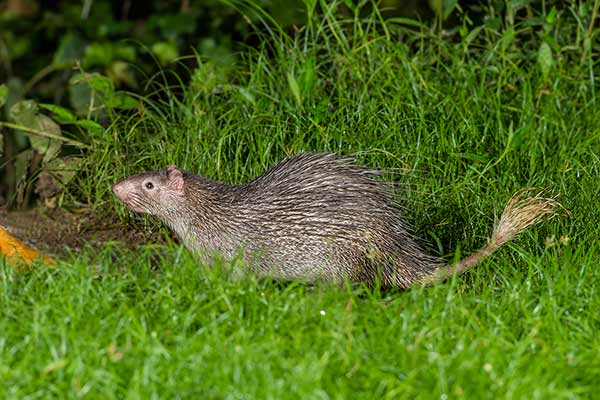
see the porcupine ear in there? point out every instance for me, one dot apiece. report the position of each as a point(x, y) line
point(175, 178)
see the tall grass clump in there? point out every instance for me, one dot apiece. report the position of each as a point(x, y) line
point(463, 120)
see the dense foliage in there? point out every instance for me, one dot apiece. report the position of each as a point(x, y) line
point(70, 69)
point(76, 60)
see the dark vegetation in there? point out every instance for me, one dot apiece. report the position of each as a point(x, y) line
point(72, 70)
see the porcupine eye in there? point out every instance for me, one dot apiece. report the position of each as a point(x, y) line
point(148, 185)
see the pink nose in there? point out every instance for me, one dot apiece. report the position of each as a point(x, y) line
point(118, 189)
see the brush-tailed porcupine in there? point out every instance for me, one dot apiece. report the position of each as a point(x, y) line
point(313, 217)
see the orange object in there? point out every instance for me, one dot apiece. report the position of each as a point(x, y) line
point(16, 250)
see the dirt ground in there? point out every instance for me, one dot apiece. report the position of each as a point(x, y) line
point(57, 231)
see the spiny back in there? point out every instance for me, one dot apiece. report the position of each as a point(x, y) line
point(318, 217)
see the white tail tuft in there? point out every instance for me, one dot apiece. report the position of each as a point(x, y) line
point(522, 211)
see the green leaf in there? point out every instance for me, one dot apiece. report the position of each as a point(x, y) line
point(119, 71)
point(493, 24)
point(208, 78)
point(449, 6)
point(321, 110)
point(1, 145)
point(22, 161)
point(295, 88)
point(69, 50)
point(219, 52)
point(408, 22)
point(97, 54)
point(166, 52)
point(55, 366)
point(94, 80)
point(122, 101)
point(472, 35)
point(551, 17)
point(507, 39)
point(3, 94)
point(50, 148)
point(584, 10)
point(103, 54)
point(443, 8)
point(438, 7)
point(518, 4)
point(545, 59)
point(26, 114)
point(89, 92)
point(80, 97)
point(100, 83)
point(16, 91)
point(23, 111)
point(17, 45)
point(62, 170)
point(61, 114)
point(350, 4)
point(92, 127)
point(307, 76)
point(245, 92)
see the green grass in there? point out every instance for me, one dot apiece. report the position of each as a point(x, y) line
point(460, 124)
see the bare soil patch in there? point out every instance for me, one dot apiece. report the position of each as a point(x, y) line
point(57, 231)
